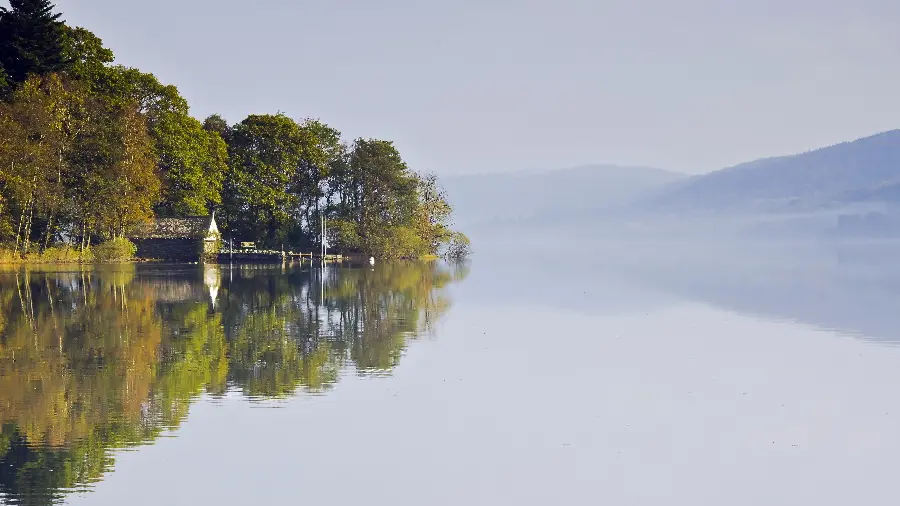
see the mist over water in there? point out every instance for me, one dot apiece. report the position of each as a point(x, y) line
point(692, 370)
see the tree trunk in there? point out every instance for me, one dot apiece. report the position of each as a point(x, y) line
point(55, 207)
point(29, 211)
point(83, 236)
point(48, 232)
point(21, 224)
point(27, 231)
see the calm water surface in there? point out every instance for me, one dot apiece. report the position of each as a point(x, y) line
point(506, 381)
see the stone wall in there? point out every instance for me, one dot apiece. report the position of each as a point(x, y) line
point(179, 250)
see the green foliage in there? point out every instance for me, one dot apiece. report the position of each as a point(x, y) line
point(31, 39)
point(33, 135)
point(89, 149)
point(432, 214)
point(64, 254)
point(194, 162)
point(191, 160)
point(397, 242)
point(56, 255)
point(345, 234)
point(124, 85)
point(277, 171)
point(87, 56)
point(387, 188)
point(74, 162)
point(459, 247)
point(5, 83)
point(114, 250)
point(8, 256)
point(384, 209)
point(216, 123)
point(265, 152)
point(61, 254)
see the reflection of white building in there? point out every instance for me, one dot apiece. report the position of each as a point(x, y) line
point(212, 276)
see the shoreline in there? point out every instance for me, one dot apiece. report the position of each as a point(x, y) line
point(32, 262)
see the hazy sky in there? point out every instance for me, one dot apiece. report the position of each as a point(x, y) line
point(489, 85)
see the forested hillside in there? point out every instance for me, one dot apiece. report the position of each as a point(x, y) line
point(863, 170)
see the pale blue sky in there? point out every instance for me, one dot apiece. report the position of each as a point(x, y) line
point(489, 85)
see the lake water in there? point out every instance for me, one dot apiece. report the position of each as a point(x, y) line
point(639, 378)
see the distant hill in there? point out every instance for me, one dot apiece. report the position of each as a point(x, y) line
point(888, 192)
point(497, 197)
point(864, 170)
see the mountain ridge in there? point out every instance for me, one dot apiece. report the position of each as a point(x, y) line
point(812, 178)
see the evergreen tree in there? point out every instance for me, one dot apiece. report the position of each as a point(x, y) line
point(31, 39)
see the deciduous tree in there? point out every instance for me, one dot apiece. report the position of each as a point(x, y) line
point(264, 155)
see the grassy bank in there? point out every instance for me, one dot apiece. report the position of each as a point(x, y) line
point(116, 250)
point(56, 255)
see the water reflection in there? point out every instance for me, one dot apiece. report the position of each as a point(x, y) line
point(849, 287)
point(93, 360)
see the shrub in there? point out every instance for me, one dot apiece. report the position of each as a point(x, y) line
point(114, 250)
point(7, 256)
point(397, 242)
point(60, 255)
point(344, 235)
point(63, 254)
point(459, 247)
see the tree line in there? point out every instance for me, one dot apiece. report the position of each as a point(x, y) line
point(90, 148)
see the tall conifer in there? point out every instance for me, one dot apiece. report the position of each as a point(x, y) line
point(31, 39)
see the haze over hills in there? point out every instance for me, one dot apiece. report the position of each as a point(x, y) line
point(864, 170)
point(807, 194)
point(491, 198)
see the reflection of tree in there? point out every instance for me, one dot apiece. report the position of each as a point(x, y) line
point(72, 354)
point(284, 334)
point(84, 366)
point(97, 359)
point(374, 312)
